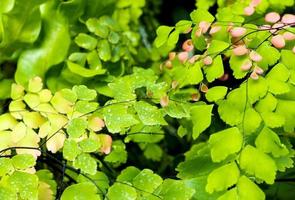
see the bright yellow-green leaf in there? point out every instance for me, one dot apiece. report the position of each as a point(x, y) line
point(225, 143)
point(257, 163)
point(223, 177)
point(201, 118)
point(216, 93)
point(269, 142)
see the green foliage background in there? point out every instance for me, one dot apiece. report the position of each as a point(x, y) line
point(91, 108)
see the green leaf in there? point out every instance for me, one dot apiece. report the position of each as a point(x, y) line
point(190, 75)
point(201, 118)
point(5, 86)
point(86, 163)
point(225, 143)
point(276, 79)
point(257, 89)
point(60, 104)
point(69, 95)
point(128, 174)
point(215, 70)
point(85, 107)
point(123, 89)
point(223, 177)
point(198, 163)
point(269, 142)
point(273, 120)
point(121, 191)
point(83, 93)
point(235, 63)
point(82, 71)
point(230, 194)
point(285, 162)
point(196, 167)
point(100, 179)
point(216, 93)
point(76, 127)
point(52, 50)
point(118, 154)
point(35, 85)
point(148, 114)
point(199, 42)
point(7, 122)
point(32, 100)
point(279, 72)
point(117, 118)
point(33, 119)
point(145, 134)
point(201, 15)
point(183, 26)
point(175, 189)
point(245, 189)
point(173, 38)
point(205, 4)
point(287, 58)
point(249, 190)
point(153, 152)
point(270, 55)
point(81, 191)
point(85, 41)
point(89, 145)
point(277, 87)
point(177, 110)
point(199, 184)
point(286, 109)
point(6, 6)
point(216, 47)
point(46, 176)
point(268, 103)
point(251, 122)
point(98, 28)
point(259, 164)
point(104, 50)
point(5, 166)
point(25, 184)
point(23, 161)
point(162, 35)
point(70, 150)
point(114, 37)
point(94, 63)
point(7, 193)
point(20, 22)
point(17, 91)
point(146, 180)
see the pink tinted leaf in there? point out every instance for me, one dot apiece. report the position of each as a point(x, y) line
point(164, 101)
point(288, 19)
point(172, 55)
point(289, 36)
point(237, 31)
point(249, 10)
point(214, 29)
point(272, 17)
point(183, 56)
point(256, 57)
point(255, 3)
point(254, 75)
point(188, 45)
point(204, 26)
point(240, 50)
point(278, 41)
point(207, 60)
point(258, 70)
point(246, 66)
